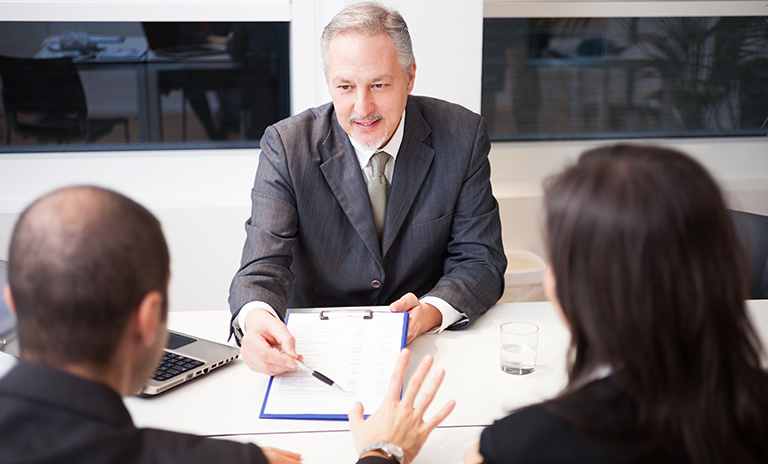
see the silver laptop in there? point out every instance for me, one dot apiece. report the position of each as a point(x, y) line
point(185, 357)
point(9, 342)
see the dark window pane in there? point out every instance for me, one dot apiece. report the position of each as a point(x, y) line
point(153, 85)
point(591, 78)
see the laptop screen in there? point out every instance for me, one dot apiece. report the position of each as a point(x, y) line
point(7, 319)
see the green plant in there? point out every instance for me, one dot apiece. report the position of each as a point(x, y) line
point(703, 63)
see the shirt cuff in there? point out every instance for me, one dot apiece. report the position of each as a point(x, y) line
point(450, 314)
point(243, 314)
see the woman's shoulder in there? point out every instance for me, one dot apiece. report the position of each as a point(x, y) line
point(559, 431)
point(531, 434)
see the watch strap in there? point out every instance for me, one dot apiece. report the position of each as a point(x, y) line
point(391, 450)
point(236, 331)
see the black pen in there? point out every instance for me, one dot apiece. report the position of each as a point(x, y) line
point(316, 374)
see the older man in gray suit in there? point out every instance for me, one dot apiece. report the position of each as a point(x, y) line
point(326, 228)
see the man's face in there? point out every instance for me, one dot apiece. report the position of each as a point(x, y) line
point(368, 87)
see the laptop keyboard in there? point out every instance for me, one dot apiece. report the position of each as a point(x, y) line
point(173, 364)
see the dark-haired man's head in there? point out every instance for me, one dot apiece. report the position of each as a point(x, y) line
point(82, 261)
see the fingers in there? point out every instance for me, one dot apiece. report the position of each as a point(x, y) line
point(279, 456)
point(259, 356)
point(413, 328)
point(276, 333)
point(263, 332)
point(396, 381)
point(282, 452)
point(405, 303)
point(473, 456)
point(285, 341)
point(414, 385)
point(355, 416)
point(414, 323)
point(430, 392)
point(397, 420)
point(418, 320)
point(441, 415)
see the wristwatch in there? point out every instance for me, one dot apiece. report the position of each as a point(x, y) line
point(236, 331)
point(392, 450)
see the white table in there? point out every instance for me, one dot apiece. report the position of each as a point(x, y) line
point(232, 397)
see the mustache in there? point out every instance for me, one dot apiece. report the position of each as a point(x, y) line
point(370, 117)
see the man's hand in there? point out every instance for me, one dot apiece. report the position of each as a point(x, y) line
point(263, 332)
point(421, 316)
point(278, 456)
point(398, 421)
point(473, 456)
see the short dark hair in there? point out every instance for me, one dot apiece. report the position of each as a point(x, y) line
point(81, 260)
point(652, 280)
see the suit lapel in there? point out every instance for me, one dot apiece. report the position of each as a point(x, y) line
point(343, 175)
point(413, 162)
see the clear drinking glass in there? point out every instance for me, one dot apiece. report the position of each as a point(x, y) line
point(518, 347)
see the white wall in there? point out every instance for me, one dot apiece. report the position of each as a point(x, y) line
point(202, 197)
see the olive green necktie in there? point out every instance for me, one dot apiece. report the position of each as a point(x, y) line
point(378, 190)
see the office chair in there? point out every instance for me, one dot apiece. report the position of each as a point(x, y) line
point(753, 230)
point(45, 98)
point(259, 95)
point(255, 104)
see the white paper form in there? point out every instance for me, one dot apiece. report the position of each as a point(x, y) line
point(358, 354)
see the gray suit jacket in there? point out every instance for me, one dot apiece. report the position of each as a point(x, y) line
point(311, 241)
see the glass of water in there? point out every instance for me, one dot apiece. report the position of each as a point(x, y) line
point(519, 343)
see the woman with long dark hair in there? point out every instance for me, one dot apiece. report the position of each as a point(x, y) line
point(664, 365)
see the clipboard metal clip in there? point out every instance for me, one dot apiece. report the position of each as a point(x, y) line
point(364, 313)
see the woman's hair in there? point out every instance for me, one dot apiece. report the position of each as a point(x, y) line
point(651, 278)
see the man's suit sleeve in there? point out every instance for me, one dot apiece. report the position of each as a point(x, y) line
point(473, 277)
point(271, 230)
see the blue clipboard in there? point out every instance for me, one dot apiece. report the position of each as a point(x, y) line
point(361, 318)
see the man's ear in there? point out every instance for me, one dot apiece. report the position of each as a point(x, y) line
point(412, 77)
point(148, 316)
point(9, 298)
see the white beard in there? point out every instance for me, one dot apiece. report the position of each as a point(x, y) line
point(376, 143)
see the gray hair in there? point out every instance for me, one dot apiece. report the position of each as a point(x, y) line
point(370, 18)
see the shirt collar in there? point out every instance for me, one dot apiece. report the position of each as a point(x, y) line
point(599, 372)
point(392, 147)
